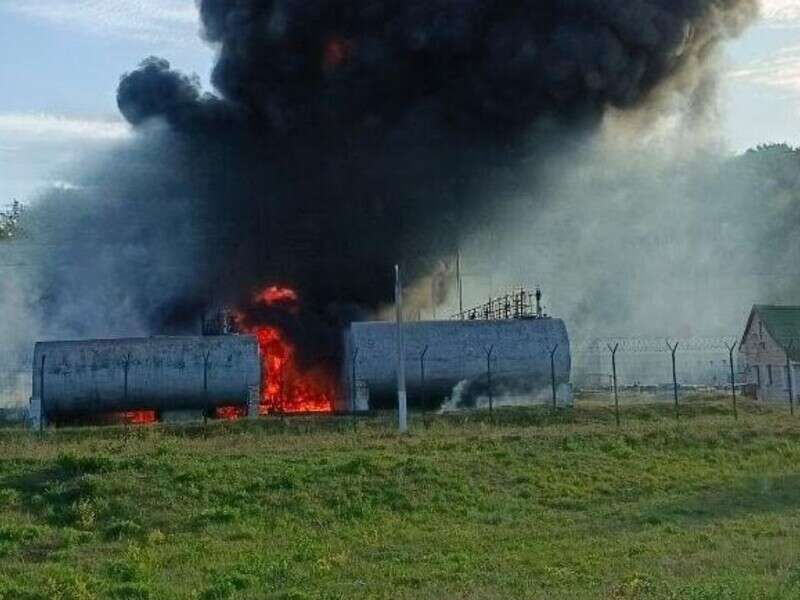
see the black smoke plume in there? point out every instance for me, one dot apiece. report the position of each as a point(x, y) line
point(347, 136)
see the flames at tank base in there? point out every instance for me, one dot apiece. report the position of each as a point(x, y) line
point(286, 388)
point(136, 380)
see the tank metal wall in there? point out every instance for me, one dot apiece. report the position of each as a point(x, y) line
point(457, 352)
point(160, 373)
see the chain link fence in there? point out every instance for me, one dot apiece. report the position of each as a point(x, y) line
point(646, 363)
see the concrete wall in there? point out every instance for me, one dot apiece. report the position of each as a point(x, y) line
point(160, 373)
point(760, 354)
point(457, 357)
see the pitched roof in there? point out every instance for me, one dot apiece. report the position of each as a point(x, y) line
point(783, 326)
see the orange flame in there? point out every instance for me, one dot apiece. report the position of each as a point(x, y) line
point(138, 417)
point(230, 413)
point(284, 387)
point(276, 295)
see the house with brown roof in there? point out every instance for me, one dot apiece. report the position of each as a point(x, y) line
point(769, 352)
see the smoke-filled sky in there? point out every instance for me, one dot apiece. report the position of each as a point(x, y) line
point(326, 140)
point(62, 60)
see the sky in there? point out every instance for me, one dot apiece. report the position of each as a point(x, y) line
point(62, 60)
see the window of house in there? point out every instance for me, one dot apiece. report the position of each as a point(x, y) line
point(758, 375)
point(769, 374)
point(760, 329)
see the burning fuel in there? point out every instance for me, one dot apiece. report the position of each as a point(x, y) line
point(341, 138)
point(138, 417)
point(285, 387)
point(274, 295)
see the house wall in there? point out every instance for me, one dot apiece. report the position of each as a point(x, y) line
point(758, 353)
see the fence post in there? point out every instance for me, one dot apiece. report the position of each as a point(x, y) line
point(673, 350)
point(354, 389)
point(789, 377)
point(402, 399)
point(206, 357)
point(731, 348)
point(422, 391)
point(553, 373)
point(126, 366)
point(42, 405)
point(614, 378)
point(489, 377)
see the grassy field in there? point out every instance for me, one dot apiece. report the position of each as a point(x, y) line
point(531, 505)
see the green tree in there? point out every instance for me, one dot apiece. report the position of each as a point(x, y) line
point(10, 222)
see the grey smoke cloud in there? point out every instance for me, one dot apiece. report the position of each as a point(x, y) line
point(665, 242)
point(343, 137)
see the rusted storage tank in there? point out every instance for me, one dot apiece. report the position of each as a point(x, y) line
point(74, 378)
point(457, 361)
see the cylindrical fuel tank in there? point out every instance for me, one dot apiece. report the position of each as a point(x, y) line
point(72, 378)
point(512, 355)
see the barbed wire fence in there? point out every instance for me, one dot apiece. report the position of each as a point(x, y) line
point(612, 370)
point(766, 368)
point(647, 369)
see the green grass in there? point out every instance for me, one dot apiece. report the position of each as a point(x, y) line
point(524, 505)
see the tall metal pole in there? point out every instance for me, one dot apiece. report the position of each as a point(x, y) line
point(733, 379)
point(353, 397)
point(673, 350)
point(614, 378)
point(433, 298)
point(553, 373)
point(401, 357)
point(460, 286)
point(789, 377)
